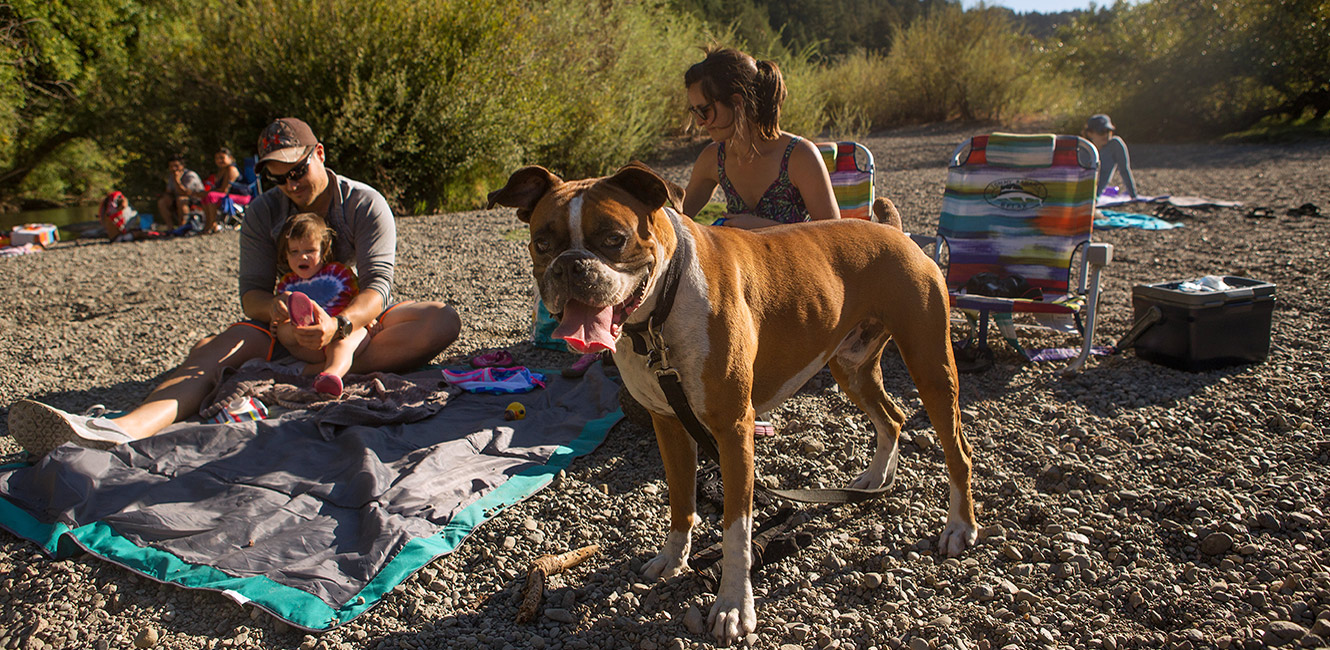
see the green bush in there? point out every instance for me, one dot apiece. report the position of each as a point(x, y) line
point(434, 102)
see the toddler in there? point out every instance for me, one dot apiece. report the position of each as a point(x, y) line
point(303, 249)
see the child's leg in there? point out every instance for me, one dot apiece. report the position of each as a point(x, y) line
point(286, 335)
point(341, 353)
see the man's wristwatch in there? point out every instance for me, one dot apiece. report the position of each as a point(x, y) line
point(344, 328)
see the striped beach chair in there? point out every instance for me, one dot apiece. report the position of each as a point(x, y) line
point(1022, 207)
point(851, 167)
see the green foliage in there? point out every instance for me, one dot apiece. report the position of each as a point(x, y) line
point(971, 65)
point(1174, 68)
point(431, 101)
point(54, 85)
point(79, 171)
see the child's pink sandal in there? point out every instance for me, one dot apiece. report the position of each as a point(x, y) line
point(328, 384)
point(301, 309)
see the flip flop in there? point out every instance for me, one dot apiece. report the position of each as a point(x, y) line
point(763, 429)
point(301, 309)
point(493, 359)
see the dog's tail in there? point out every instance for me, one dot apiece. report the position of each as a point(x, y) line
point(886, 212)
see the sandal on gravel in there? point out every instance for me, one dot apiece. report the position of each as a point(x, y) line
point(1260, 213)
point(580, 366)
point(39, 428)
point(972, 359)
point(328, 384)
point(763, 429)
point(493, 359)
point(1305, 210)
point(301, 309)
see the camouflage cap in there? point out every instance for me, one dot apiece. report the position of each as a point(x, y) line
point(287, 140)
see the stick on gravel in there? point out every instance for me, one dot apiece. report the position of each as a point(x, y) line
point(543, 567)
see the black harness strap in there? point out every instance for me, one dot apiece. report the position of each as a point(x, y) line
point(648, 341)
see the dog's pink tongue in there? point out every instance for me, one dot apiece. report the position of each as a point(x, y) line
point(586, 328)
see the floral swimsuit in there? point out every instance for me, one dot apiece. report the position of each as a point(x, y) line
point(781, 203)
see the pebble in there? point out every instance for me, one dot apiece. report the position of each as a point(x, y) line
point(693, 621)
point(560, 615)
point(1279, 633)
point(1216, 543)
point(146, 637)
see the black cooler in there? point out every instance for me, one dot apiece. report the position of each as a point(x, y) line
point(1204, 330)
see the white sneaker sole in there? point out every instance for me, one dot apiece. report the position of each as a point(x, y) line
point(39, 428)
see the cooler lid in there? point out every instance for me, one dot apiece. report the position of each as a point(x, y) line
point(1243, 289)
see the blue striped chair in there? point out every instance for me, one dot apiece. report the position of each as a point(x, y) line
point(1023, 205)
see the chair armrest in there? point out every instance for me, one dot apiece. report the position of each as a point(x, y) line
point(1099, 254)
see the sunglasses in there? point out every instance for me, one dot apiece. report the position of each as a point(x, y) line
point(294, 174)
point(701, 112)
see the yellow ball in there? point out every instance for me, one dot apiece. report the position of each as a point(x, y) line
point(515, 411)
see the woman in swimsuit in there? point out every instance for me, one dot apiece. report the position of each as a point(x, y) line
point(769, 176)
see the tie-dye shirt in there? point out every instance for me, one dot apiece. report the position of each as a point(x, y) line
point(332, 287)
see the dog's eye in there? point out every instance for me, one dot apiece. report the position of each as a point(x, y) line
point(614, 240)
point(541, 245)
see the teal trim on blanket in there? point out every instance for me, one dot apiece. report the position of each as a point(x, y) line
point(297, 607)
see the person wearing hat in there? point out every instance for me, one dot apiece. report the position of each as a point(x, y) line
point(405, 334)
point(1112, 153)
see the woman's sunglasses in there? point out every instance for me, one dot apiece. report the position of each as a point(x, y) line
point(294, 174)
point(701, 112)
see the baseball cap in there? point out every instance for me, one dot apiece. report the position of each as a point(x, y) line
point(1100, 122)
point(287, 140)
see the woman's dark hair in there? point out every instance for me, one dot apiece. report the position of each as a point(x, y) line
point(300, 226)
point(225, 151)
point(726, 72)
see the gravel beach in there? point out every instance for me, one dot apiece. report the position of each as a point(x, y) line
point(1132, 506)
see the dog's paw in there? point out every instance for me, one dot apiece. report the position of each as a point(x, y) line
point(732, 617)
point(664, 566)
point(672, 559)
point(881, 472)
point(957, 536)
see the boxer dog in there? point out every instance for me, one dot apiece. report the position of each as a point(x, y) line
point(744, 319)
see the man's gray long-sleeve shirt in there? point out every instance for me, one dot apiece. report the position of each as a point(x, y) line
point(365, 236)
point(1111, 157)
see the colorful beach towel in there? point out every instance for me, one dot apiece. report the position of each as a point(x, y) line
point(1112, 219)
point(313, 530)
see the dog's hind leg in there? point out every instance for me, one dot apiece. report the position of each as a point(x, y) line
point(925, 346)
point(679, 453)
point(857, 369)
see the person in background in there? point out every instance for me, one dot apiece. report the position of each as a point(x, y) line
point(223, 183)
point(118, 217)
point(406, 334)
point(1112, 153)
point(768, 176)
point(182, 189)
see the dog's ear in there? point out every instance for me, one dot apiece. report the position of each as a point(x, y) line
point(640, 181)
point(524, 190)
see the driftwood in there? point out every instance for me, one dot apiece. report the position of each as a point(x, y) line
point(543, 567)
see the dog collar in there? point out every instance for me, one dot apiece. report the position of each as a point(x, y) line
point(651, 327)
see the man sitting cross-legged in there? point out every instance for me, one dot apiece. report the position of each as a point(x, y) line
point(407, 334)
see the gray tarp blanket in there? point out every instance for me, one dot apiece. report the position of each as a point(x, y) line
point(313, 529)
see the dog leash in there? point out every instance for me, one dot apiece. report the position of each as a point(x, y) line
point(648, 340)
